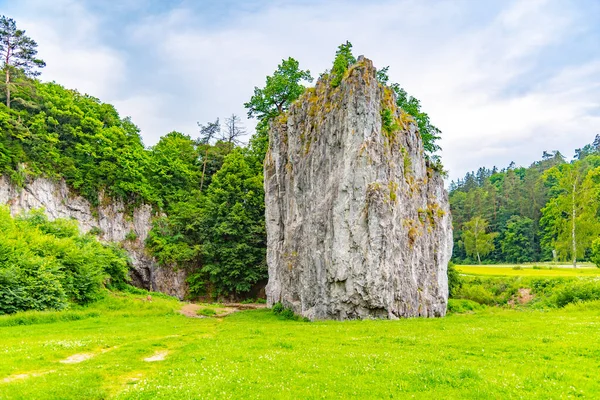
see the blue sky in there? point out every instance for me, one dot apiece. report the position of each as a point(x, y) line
point(503, 80)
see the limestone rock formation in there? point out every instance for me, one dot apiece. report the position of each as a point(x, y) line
point(358, 223)
point(110, 217)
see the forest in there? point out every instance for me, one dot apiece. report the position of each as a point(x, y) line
point(549, 211)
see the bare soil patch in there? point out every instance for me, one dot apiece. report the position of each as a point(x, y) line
point(77, 358)
point(191, 309)
point(158, 356)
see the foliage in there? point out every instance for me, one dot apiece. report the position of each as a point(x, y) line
point(531, 208)
point(343, 59)
point(595, 252)
point(454, 280)
point(517, 240)
point(570, 218)
point(76, 137)
point(17, 54)
point(388, 123)
point(476, 240)
point(575, 292)
point(48, 264)
point(232, 227)
point(280, 91)
point(461, 306)
point(411, 105)
point(429, 133)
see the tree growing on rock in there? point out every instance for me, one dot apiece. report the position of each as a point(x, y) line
point(18, 54)
point(280, 91)
point(343, 59)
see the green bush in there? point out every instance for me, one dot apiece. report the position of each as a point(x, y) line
point(49, 264)
point(576, 292)
point(207, 312)
point(454, 280)
point(478, 294)
point(277, 308)
point(458, 306)
point(595, 252)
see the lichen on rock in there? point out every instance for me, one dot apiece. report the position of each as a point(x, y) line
point(358, 226)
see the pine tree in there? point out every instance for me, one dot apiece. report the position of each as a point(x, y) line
point(18, 53)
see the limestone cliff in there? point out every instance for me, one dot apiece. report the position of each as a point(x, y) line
point(110, 218)
point(358, 223)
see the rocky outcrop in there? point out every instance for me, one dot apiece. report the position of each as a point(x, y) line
point(110, 219)
point(358, 223)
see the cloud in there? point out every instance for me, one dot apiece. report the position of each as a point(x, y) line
point(503, 80)
point(68, 40)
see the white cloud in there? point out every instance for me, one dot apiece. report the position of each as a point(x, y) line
point(68, 40)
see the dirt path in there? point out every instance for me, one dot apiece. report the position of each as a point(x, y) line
point(191, 309)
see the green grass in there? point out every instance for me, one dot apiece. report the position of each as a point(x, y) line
point(491, 353)
point(529, 270)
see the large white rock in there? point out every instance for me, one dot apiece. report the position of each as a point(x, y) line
point(110, 217)
point(358, 224)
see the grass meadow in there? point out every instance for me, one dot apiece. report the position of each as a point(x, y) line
point(124, 347)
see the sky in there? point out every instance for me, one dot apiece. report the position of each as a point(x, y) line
point(503, 80)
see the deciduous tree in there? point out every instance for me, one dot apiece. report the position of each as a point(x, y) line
point(476, 240)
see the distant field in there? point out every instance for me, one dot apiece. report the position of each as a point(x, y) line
point(528, 270)
point(126, 348)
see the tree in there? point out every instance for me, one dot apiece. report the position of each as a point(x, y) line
point(232, 226)
point(280, 91)
point(570, 218)
point(475, 239)
point(174, 168)
point(429, 133)
point(343, 59)
point(207, 133)
point(233, 130)
point(593, 148)
point(18, 53)
point(517, 240)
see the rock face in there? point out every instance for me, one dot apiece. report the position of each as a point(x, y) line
point(358, 223)
point(112, 220)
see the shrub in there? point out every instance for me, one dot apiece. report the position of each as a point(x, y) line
point(277, 308)
point(49, 264)
point(457, 306)
point(478, 294)
point(575, 292)
point(595, 252)
point(131, 236)
point(207, 312)
point(454, 280)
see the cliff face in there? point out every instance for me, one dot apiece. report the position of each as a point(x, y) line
point(115, 225)
point(358, 225)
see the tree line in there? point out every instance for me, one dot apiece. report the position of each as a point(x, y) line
point(549, 211)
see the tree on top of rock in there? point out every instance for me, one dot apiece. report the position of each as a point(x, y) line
point(343, 59)
point(17, 52)
point(280, 91)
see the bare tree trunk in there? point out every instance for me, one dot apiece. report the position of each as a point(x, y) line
point(7, 87)
point(478, 258)
point(574, 243)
